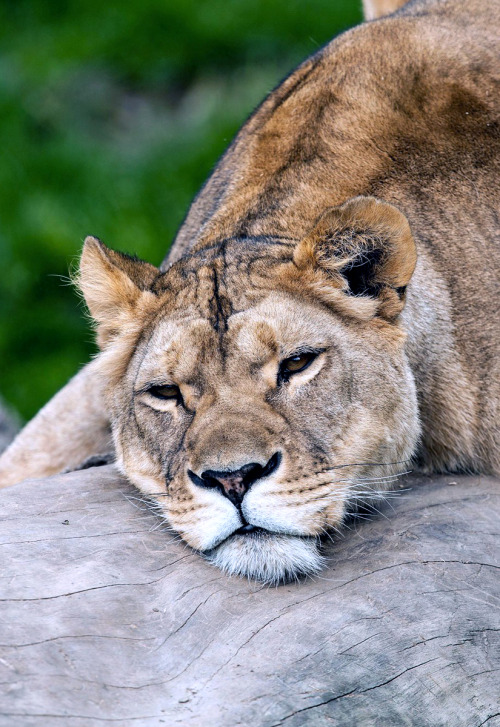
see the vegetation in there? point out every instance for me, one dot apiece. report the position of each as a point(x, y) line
point(111, 115)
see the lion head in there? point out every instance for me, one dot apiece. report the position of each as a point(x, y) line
point(259, 386)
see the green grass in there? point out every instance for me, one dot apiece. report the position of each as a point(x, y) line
point(111, 117)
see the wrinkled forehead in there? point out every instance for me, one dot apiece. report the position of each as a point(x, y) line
point(182, 343)
point(279, 325)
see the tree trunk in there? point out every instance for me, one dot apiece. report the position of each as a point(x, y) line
point(107, 617)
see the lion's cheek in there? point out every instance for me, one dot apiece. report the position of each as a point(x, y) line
point(142, 472)
point(288, 513)
point(202, 517)
point(334, 514)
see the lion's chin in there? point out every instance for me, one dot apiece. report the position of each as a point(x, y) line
point(268, 557)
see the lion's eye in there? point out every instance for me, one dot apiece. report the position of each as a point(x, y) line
point(294, 364)
point(165, 392)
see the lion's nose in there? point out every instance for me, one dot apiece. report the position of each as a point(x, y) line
point(236, 483)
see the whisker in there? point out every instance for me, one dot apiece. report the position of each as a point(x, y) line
point(371, 464)
point(353, 495)
point(395, 476)
point(361, 464)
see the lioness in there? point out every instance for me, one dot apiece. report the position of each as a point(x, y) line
point(328, 312)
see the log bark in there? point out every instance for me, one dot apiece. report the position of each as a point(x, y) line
point(108, 617)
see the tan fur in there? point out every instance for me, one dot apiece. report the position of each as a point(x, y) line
point(378, 8)
point(73, 426)
point(355, 216)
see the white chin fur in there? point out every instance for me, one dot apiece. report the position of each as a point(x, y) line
point(267, 557)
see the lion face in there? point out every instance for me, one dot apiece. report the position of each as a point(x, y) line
point(251, 394)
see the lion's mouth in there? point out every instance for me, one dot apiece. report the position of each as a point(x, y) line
point(249, 529)
point(271, 558)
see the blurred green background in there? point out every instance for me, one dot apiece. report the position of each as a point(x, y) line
point(112, 114)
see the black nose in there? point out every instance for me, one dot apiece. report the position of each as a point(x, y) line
point(235, 484)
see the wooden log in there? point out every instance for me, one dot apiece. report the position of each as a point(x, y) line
point(107, 617)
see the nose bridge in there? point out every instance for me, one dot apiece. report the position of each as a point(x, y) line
point(231, 432)
point(235, 397)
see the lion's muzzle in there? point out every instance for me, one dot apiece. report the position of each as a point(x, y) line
point(235, 484)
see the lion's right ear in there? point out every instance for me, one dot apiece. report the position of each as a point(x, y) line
point(116, 288)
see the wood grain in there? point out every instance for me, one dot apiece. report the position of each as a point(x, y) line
point(105, 617)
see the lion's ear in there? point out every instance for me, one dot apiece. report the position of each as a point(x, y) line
point(365, 248)
point(116, 287)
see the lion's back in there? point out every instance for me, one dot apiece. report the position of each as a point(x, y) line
point(410, 96)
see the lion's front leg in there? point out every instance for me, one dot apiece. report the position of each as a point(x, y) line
point(72, 427)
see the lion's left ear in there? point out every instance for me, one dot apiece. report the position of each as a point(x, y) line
point(364, 248)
